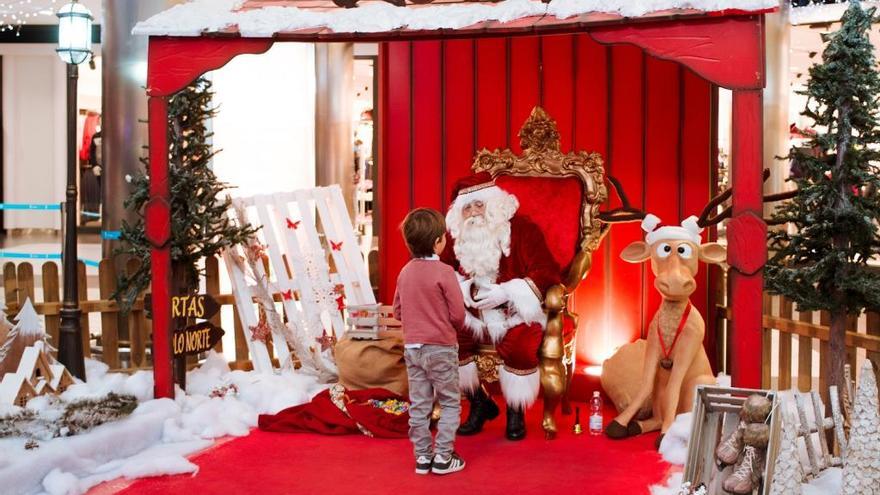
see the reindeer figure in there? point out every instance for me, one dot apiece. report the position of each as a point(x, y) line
point(675, 361)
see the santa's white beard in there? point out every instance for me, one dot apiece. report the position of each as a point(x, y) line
point(479, 247)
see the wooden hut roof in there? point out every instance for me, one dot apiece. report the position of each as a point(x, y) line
point(324, 20)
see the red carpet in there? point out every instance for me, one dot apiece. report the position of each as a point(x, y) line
point(277, 463)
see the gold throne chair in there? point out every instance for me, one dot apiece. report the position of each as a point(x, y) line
point(561, 193)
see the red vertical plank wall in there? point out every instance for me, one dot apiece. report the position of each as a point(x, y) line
point(458, 112)
point(491, 96)
point(625, 309)
point(427, 167)
point(663, 170)
point(592, 80)
point(650, 119)
point(396, 149)
point(696, 181)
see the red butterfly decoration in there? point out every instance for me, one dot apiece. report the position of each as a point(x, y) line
point(287, 295)
point(336, 246)
point(293, 225)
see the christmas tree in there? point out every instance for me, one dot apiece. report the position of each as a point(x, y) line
point(822, 264)
point(861, 472)
point(788, 474)
point(200, 225)
point(25, 333)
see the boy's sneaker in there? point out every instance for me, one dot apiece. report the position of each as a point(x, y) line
point(423, 464)
point(449, 465)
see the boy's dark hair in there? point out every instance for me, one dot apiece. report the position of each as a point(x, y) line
point(421, 229)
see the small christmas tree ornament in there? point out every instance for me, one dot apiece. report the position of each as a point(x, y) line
point(788, 474)
point(861, 471)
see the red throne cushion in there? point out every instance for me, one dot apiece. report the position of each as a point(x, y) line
point(554, 204)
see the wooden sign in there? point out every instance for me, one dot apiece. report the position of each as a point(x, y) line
point(195, 339)
point(201, 306)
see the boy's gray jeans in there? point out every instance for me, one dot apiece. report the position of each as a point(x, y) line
point(433, 369)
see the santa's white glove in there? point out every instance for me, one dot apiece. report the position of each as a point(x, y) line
point(465, 286)
point(492, 299)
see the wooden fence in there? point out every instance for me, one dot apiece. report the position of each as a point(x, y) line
point(783, 330)
point(123, 342)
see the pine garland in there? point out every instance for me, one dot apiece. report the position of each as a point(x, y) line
point(78, 416)
point(823, 263)
point(200, 226)
point(86, 414)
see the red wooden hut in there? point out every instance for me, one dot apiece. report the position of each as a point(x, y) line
point(637, 87)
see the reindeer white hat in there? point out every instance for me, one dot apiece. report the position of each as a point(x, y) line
point(689, 230)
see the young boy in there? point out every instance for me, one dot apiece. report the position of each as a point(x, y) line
point(429, 303)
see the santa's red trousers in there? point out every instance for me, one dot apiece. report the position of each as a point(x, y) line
point(518, 348)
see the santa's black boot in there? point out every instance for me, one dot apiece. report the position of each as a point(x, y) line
point(516, 424)
point(483, 409)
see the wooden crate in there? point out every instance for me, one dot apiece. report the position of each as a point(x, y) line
point(715, 414)
point(369, 321)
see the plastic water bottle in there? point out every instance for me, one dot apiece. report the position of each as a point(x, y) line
point(596, 414)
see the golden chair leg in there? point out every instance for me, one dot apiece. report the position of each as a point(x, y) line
point(569, 372)
point(553, 381)
point(566, 393)
point(552, 372)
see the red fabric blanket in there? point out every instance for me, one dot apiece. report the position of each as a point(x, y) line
point(375, 412)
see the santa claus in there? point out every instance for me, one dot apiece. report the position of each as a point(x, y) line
point(504, 269)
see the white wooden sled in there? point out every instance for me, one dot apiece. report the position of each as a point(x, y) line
point(299, 232)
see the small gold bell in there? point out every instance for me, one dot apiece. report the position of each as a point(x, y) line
point(577, 422)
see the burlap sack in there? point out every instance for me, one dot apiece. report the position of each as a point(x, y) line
point(622, 376)
point(367, 364)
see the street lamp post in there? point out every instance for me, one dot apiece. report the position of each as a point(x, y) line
point(74, 48)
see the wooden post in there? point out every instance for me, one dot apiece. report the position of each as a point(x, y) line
point(785, 311)
point(109, 332)
point(747, 239)
point(852, 325)
point(136, 331)
point(10, 289)
point(83, 291)
point(158, 232)
point(824, 358)
point(873, 328)
point(767, 346)
point(51, 293)
point(25, 283)
point(805, 355)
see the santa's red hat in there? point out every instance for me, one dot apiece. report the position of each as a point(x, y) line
point(477, 187)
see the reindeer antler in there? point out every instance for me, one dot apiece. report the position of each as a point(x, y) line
point(706, 220)
point(627, 213)
point(624, 214)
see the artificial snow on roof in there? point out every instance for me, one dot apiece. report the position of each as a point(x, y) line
point(822, 13)
point(210, 16)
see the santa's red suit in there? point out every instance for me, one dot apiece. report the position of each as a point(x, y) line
point(524, 270)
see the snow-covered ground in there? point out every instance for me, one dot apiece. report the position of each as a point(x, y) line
point(156, 438)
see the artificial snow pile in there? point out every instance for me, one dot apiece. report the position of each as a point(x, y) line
point(156, 438)
point(206, 16)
